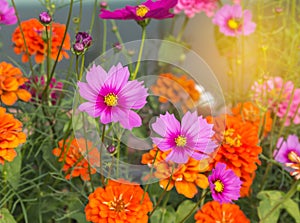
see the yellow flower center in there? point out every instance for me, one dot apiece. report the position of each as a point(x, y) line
point(180, 141)
point(233, 24)
point(111, 99)
point(231, 138)
point(117, 204)
point(292, 156)
point(142, 10)
point(219, 186)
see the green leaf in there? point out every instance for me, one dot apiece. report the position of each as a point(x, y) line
point(14, 170)
point(183, 209)
point(6, 217)
point(163, 215)
point(269, 200)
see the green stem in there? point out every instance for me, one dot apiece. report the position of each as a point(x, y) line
point(194, 208)
point(81, 67)
point(287, 196)
point(23, 37)
point(140, 53)
point(183, 27)
point(101, 152)
point(104, 36)
point(93, 16)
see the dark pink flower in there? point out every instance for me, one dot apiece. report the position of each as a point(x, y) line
point(190, 138)
point(233, 21)
point(111, 96)
point(159, 9)
point(7, 14)
point(224, 184)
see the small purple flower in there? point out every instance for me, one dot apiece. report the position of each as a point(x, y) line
point(45, 18)
point(78, 48)
point(103, 5)
point(7, 14)
point(117, 47)
point(84, 38)
point(190, 138)
point(225, 186)
point(159, 9)
point(111, 96)
point(111, 149)
point(285, 150)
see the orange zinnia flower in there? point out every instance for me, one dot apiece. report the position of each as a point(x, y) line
point(213, 212)
point(118, 202)
point(34, 33)
point(238, 149)
point(186, 177)
point(73, 153)
point(249, 112)
point(177, 90)
point(11, 79)
point(11, 136)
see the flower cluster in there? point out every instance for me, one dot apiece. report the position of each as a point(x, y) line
point(11, 136)
point(72, 153)
point(238, 149)
point(11, 80)
point(36, 45)
point(279, 96)
point(83, 41)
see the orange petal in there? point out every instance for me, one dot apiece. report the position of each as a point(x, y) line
point(24, 95)
point(9, 98)
point(188, 189)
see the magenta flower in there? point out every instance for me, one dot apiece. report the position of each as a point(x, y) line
point(111, 96)
point(224, 184)
point(191, 7)
point(190, 138)
point(150, 9)
point(233, 21)
point(275, 94)
point(285, 149)
point(7, 14)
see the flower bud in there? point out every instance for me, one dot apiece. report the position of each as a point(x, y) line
point(103, 5)
point(84, 38)
point(117, 47)
point(111, 149)
point(45, 18)
point(78, 48)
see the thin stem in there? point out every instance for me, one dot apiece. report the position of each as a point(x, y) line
point(104, 36)
point(101, 152)
point(162, 194)
point(140, 53)
point(183, 27)
point(194, 208)
point(81, 67)
point(23, 37)
point(93, 16)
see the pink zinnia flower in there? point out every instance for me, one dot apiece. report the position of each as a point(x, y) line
point(275, 94)
point(233, 21)
point(7, 14)
point(111, 96)
point(150, 9)
point(225, 186)
point(286, 149)
point(190, 138)
point(191, 7)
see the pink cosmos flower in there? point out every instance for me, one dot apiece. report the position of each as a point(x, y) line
point(7, 14)
point(159, 9)
point(190, 138)
point(275, 94)
point(233, 21)
point(111, 96)
point(287, 149)
point(191, 7)
point(225, 186)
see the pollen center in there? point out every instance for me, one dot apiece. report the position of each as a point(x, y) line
point(292, 156)
point(231, 138)
point(180, 141)
point(142, 10)
point(111, 99)
point(233, 24)
point(219, 186)
point(117, 204)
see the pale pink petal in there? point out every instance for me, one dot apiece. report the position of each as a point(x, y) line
point(177, 156)
point(87, 92)
point(166, 125)
point(96, 77)
point(127, 118)
point(162, 143)
point(90, 108)
point(133, 95)
point(117, 79)
point(106, 116)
